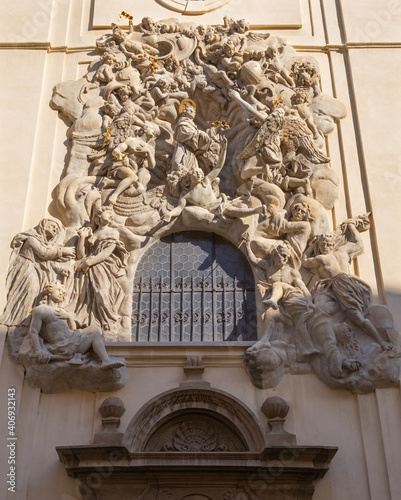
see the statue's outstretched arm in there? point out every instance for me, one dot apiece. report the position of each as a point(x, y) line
point(235, 95)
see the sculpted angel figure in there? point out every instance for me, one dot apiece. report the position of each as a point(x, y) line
point(284, 149)
point(54, 338)
point(34, 262)
point(330, 259)
point(265, 144)
point(297, 139)
point(102, 264)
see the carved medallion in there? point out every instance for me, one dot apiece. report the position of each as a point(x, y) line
point(194, 6)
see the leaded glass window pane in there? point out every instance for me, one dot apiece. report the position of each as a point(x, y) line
point(193, 287)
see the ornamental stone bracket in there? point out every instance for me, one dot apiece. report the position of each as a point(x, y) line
point(197, 444)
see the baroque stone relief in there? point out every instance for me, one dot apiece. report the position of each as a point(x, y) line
point(178, 126)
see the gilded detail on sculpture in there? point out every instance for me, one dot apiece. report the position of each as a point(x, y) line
point(178, 127)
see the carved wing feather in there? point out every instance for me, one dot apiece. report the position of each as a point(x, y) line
point(297, 137)
point(266, 133)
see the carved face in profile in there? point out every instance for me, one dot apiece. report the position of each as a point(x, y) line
point(124, 93)
point(201, 29)
point(110, 108)
point(272, 51)
point(119, 35)
point(51, 229)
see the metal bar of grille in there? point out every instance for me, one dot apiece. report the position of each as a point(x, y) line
point(214, 298)
point(159, 326)
point(172, 284)
point(235, 306)
point(192, 309)
point(203, 311)
point(245, 323)
point(224, 312)
point(150, 309)
point(182, 310)
point(138, 324)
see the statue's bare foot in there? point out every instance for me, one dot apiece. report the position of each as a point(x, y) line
point(106, 365)
point(351, 365)
point(271, 303)
point(113, 199)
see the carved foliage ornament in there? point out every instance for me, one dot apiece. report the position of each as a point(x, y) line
point(219, 128)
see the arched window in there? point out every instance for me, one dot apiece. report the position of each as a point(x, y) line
point(193, 287)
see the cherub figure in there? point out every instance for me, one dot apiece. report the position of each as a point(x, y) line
point(276, 67)
point(232, 59)
point(306, 75)
point(54, 336)
point(138, 51)
point(330, 257)
point(105, 72)
point(149, 27)
point(301, 99)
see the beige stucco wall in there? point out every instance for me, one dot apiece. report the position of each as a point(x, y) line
point(358, 46)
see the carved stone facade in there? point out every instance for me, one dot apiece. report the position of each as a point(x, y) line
point(178, 126)
point(202, 187)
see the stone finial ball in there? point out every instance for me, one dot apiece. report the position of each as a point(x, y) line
point(112, 407)
point(275, 407)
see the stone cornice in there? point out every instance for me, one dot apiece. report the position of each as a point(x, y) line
point(300, 48)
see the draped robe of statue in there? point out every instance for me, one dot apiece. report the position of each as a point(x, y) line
point(98, 293)
point(190, 140)
point(29, 272)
